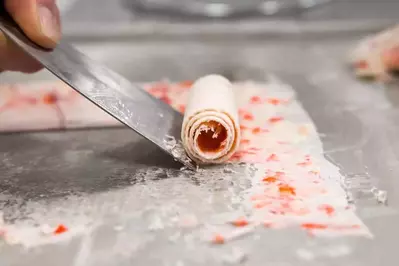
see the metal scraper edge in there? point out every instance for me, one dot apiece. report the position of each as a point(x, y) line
point(127, 102)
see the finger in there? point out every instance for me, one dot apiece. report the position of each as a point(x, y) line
point(14, 59)
point(39, 19)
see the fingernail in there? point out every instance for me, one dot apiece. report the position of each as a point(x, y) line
point(48, 22)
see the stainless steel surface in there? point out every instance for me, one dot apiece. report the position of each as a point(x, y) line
point(127, 102)
point(103, 169)
point(358, 124)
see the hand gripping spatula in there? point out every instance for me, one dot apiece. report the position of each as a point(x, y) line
point(127, 102)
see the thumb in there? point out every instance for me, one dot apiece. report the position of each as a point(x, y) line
point(39, 19)
point(391, 58)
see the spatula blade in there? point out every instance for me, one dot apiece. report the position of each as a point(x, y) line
point(127, 102)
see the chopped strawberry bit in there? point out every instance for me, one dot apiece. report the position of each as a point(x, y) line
point(272, 158)
point(182, 108)
point(60, 229)
point(166, 99)
point(256, 130)
point(314, 226)
point(270, 179)
point(286, 189)
point(328, 209)
point(261, 205)
point(50, 98)
point(275, 119)
point(240, 222)
point(255, 100)
point(186, 84)
point(304, 164)
point(244, 141)
point(248, 117)
point(218, 239)
point(274, 101)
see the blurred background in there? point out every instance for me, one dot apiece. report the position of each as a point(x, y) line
point(131, 10)
point(146, 39)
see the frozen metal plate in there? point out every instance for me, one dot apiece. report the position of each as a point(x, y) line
point(358, 124)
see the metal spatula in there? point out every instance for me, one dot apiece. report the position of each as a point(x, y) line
point(127, 102)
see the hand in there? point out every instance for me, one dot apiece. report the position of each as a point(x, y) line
point(40, 20)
